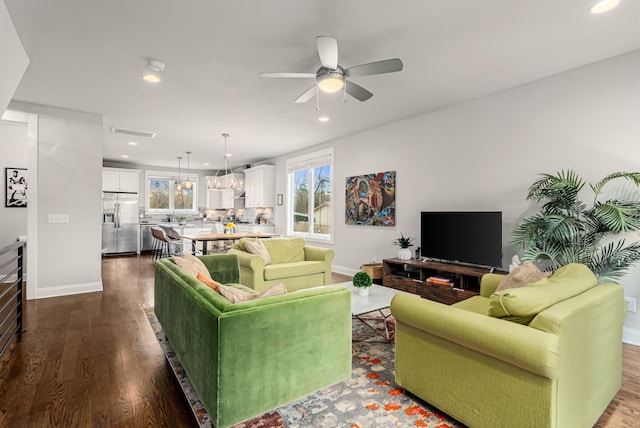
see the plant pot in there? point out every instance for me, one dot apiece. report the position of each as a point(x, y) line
point(363, 291)
point(404, 254)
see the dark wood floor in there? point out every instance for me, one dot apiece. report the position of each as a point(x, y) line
point(92, 360)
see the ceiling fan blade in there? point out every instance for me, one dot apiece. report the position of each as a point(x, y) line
point(378, 67)
point(328, 51)
point(357, 91)
point(307, 95)
point(290, 75)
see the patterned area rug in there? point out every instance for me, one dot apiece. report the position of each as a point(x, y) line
point(368, 399)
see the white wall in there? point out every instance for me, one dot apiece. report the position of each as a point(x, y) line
point(68, 164)
point(14, 58)
point(13, 154)
point(484, 155)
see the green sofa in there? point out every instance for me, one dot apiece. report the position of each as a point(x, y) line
point(245, 359)
point(561, 370)
point(293, 263)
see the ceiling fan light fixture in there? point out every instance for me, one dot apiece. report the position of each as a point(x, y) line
point(330, 81)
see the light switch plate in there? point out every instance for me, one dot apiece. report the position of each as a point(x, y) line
point(631, 304)
point(58, 218)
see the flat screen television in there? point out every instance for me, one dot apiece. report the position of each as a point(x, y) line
point(470, 237)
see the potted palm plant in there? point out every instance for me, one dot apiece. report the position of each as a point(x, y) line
point(566, 230)
point(362, 281)
point(404, 243)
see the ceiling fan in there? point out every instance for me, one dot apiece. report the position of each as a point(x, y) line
point(331, 77)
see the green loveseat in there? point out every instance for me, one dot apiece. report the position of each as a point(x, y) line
point(561, 370)
point(245, 359)
point(293, 263)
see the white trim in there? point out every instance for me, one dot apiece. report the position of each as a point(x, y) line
point(344, 270)
point(67, 290)
point(631, 336)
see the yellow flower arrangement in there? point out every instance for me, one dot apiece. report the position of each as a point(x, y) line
point(230, 225)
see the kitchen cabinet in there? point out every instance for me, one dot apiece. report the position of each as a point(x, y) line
point(255, 228)
point(186, 243)
point(220, 198)
point(260, 186)
point(120, 180)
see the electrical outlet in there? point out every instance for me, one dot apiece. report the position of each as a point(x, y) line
point(58, 218)
point(631, 304)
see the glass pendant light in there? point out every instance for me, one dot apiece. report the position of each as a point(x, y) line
point(188, 184)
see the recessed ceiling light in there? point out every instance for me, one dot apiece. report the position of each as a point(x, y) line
point(323, 119)
point(133, 143)
point(206, 164)
point(151, 78)
point(604, 6)
point(124, 156)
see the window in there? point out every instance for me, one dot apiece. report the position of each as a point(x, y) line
point(164, 197)
point(310, 211)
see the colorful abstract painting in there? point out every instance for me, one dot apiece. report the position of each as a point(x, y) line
point(370, 199)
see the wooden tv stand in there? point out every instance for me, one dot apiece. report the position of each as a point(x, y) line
point(412, 275)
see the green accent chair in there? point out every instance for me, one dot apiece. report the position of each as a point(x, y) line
point(293, 263)
point(245, 359)
point(560, 370)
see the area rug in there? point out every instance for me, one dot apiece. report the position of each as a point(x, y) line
point(370, 398)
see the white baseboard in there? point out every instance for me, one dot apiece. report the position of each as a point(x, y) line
point(631, 336)
point(67, 290)
point(344, 270)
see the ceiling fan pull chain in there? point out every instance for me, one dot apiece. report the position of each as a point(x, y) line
point(317, 98)
point(344, 92)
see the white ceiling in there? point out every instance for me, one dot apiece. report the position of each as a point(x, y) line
point(88, 55)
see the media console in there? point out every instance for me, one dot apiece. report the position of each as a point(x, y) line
point(412, 276)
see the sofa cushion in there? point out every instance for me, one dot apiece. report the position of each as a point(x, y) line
point(523, 304)
point(257, 247)
point(285, 250)
point(288, 270)
point(524, 274)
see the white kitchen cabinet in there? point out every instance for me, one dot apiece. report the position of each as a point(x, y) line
point(220, 198)
point(120, 180)
point(260, 186)
point(193, 231)
point(255, 228)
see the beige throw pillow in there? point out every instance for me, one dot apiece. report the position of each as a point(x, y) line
point(524, 274)
point(200, 266)
point(257, 247)
point(186, 265)
point(235, 295)
point(274, 290)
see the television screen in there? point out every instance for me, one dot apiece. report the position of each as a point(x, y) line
point(473, 237)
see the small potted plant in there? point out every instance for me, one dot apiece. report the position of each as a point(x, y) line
point(182, 220)
point(404, 243)
point(362, 281)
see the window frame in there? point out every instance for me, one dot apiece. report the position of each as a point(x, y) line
point(164, 175)
point(308, 162)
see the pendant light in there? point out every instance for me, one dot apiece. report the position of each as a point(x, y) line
point(188, 184)
point(228, 183)
point(179, 182)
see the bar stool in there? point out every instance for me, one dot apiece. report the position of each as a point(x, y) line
point(163, 246)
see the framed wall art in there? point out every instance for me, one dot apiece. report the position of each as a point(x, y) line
point(370, 199)
point(15, 187)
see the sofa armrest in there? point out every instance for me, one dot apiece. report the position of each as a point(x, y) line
point(325, 255)
point(222, 267)
point(524, 347)
point(251, 269)
point(312, 253)
point(488, 283)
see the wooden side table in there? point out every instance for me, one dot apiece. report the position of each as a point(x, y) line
point(374, 270)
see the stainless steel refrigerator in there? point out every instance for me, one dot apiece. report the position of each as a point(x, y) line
point(119, 222)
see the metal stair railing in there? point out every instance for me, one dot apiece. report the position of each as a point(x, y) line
point(11, 285)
